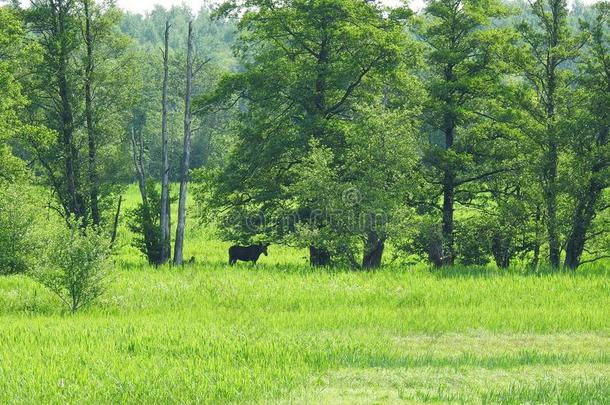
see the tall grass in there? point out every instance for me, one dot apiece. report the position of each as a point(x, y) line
point(219, 334)
point(283, 332)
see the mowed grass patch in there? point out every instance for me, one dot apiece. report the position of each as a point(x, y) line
point(214, 334)
point(577, 384)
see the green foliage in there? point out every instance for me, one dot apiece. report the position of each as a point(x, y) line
point(463, 132)
point(310, 68)
point(144, 222)
point(419, 237)
point(73, 267)
point(11, 40)
point(473, 242)
point(462, 141)
point(211, 135)
point(20, 204)
point(543, 98)
point(83, 158)
point(330, 222)
point(21, 228)
point(16, 54)
point(587, 158)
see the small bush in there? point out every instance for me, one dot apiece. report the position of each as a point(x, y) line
point(144, 222)
point(74, 266)
point(421, 240)
point(19, 240)
point(473, 242)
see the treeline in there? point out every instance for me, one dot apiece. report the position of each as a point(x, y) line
point(467, 132)
point(470, 131)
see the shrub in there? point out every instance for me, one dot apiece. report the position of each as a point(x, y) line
point(19, 219)
point(144, 222)
point(74, 266)
point(420, 239)
point(473, 242)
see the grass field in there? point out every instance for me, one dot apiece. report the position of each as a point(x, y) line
point(281, 332)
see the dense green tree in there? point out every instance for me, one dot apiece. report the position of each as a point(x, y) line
point(74, 266)
point(466, 134)
point(20, 203)
point(306, 64)
point(464, 59)
point(550, 45)
point(16, 57)
point(359, 201)
point(82, 92)
point(56, 24)
point(106, 66)
point(589, 141)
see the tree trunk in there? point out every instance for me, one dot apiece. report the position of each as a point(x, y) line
point(75, 199)
point(435, 252)
point(373, 251)
point(115, 225)
point(147, 222)
point(448, 197)
point(552, 154)
point(583, 215)
point(536, 247)
point(550, 196)
point(319, 256)
point(165, 201)
point(89, 69)
point(448, 211)
point(501, 250)
point(585, 210)
point(187, 150)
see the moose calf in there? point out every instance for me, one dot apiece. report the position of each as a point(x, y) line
point(246, 253)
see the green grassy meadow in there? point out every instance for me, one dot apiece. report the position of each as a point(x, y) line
point(281, 332)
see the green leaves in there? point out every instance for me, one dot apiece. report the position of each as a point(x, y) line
point(74, 266)
point(311, 67)
point(12, 59)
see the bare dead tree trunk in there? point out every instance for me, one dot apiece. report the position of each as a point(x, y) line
point(115, 225)
point(184, 172)
point(89, 69)
point(165, 201)
point(138, 158)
